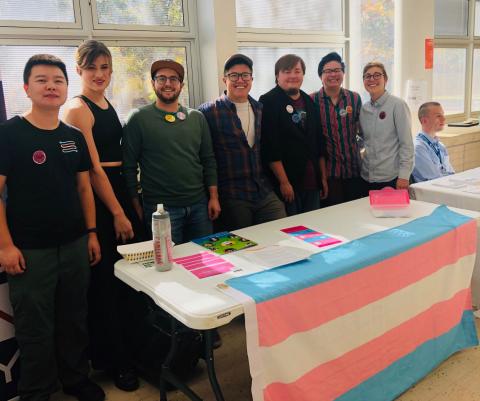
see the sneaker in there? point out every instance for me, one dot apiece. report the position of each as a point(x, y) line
point(86, 391)
point(125, 379)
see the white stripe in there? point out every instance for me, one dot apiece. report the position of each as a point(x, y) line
point(251, 327)
point(291, 359)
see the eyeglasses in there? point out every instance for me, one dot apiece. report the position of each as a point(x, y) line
point(375, 76)
point(332, 71)
point(162, 79)
point(234, 76)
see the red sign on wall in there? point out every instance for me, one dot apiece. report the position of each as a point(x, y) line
point(428, 54)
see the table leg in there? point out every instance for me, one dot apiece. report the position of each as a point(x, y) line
point(211, 365)
point(166, 375)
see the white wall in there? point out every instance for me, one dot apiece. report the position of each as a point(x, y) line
point(414, 22)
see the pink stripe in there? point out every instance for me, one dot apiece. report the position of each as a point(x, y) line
point(313, 306)
point(196, 256)
point(293, 229)
point(211, 264)
point(203, 262)
point(334, 378)
point(212, 271)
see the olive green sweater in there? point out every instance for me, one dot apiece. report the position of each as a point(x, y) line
point(176, 159)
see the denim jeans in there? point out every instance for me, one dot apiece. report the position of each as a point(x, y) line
point(188, 222)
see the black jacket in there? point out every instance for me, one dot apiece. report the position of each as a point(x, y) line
point(286, 141)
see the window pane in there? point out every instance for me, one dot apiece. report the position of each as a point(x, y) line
point(476, 81)
point(377, 29)
point(11, 68)
point(264, 59)
point(140, 12)
point(451, 17)
point(131, 81)
point(477, 18)
point(319, 15)
point(449, 79)
point(130, 86)
point(37, 10)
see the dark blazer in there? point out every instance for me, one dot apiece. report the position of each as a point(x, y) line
point(285, 141)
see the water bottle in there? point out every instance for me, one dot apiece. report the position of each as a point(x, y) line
point(162, 239)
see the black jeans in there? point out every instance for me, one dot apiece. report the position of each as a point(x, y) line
point(49, 303)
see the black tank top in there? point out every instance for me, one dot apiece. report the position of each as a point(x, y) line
point(107, 131)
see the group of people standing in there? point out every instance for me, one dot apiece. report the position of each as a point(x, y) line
point(236, 161)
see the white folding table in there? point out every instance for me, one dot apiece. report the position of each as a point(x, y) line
point(200, 304)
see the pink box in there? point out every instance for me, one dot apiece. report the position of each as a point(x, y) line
point(389, 202)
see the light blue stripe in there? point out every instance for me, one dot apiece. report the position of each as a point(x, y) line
point(405, 372)
point(347, 258)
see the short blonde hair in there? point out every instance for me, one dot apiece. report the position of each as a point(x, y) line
point(377, 64)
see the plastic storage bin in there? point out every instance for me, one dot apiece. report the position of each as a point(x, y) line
point(389, 202)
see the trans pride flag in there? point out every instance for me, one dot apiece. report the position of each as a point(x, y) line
point(363, 321)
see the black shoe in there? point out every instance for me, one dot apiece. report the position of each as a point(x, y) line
point(126, 379)
point(86, 391)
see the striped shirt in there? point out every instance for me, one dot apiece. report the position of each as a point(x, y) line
point(340, 126)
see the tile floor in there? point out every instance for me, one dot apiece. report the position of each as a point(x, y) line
point(457, 379)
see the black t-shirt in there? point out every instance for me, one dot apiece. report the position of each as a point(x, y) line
point(41, 166)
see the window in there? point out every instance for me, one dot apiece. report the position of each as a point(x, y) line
point(139, 14)
point(38, 10)
point(371, 39)
point(323, 15)
point(449, 78)
point(456, 80)
point(268, 29)
point(165, 33)
point(264, 59)
point(451, 17)
point(130, 86)
point(11, 65)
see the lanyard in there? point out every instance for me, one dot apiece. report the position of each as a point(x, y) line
point(434, 147)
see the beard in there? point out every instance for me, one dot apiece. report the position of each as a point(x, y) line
point(292, 91)
point(167, 100)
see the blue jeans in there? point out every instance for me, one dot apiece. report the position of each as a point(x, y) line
point(188, 222)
